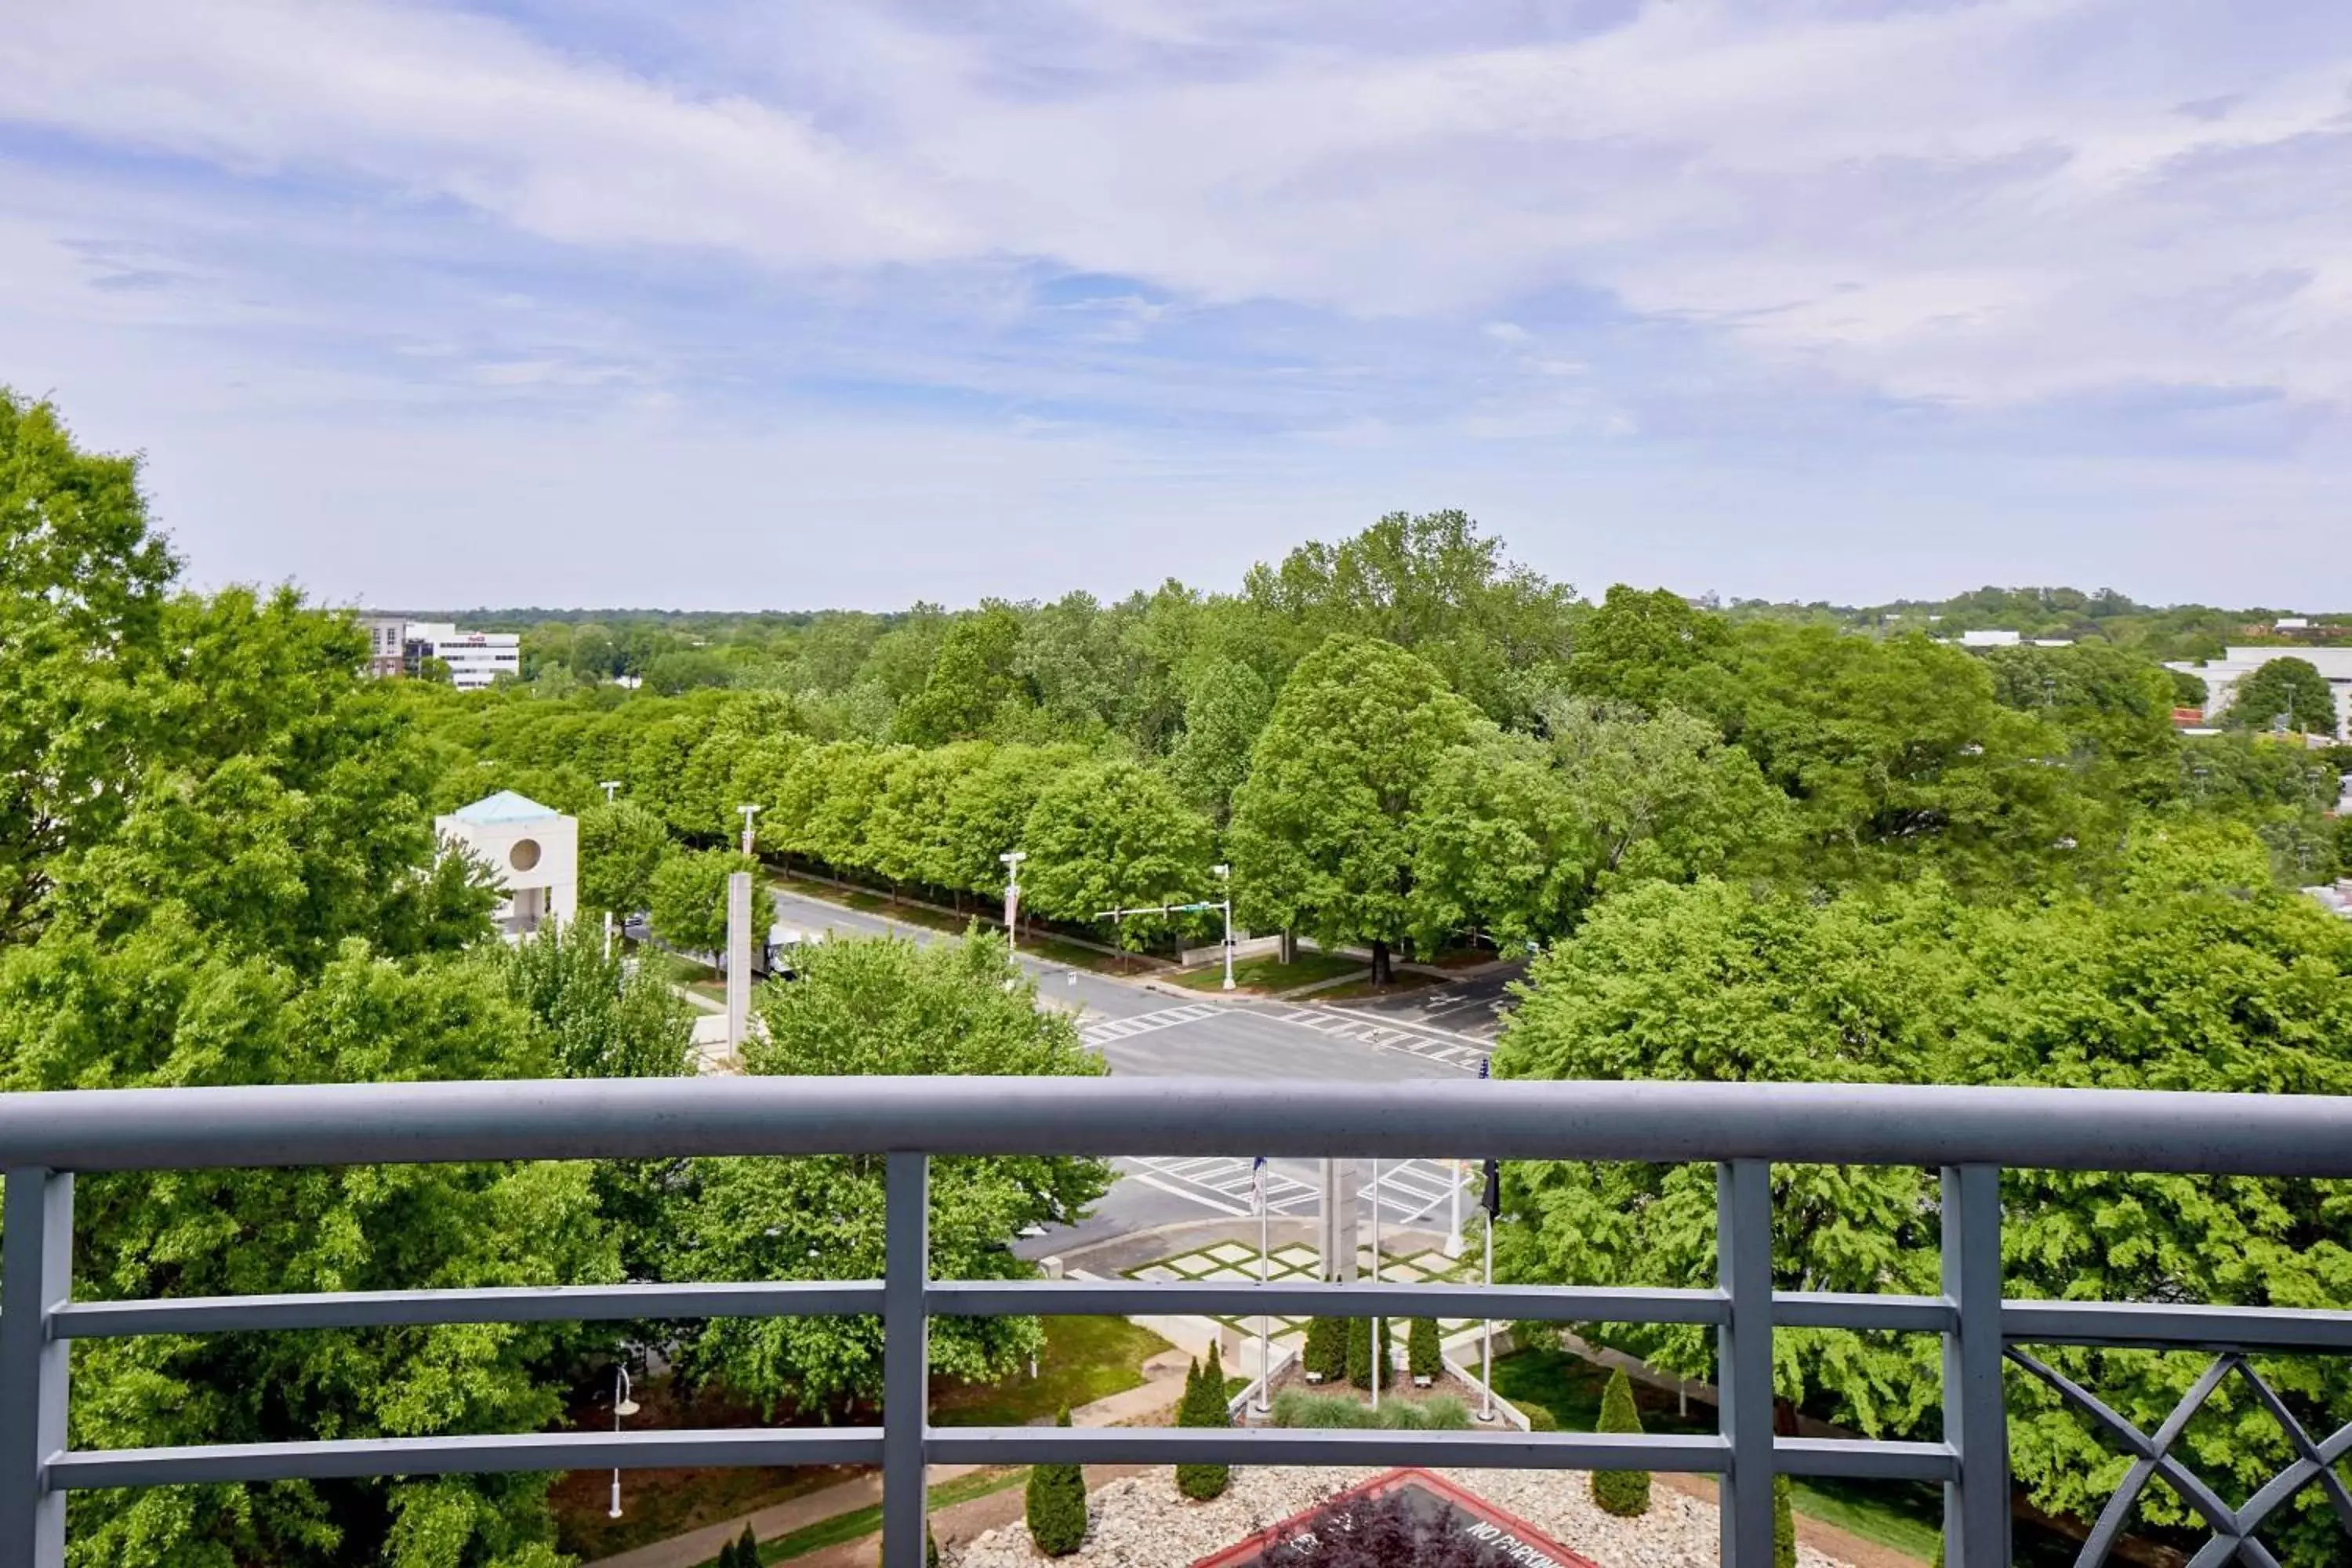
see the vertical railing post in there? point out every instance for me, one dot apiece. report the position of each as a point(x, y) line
point(906, 1360)
point(1743, 1245)
point(35, 1274)
point(1976, 1416)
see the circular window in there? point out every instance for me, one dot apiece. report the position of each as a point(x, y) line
point(524, 855)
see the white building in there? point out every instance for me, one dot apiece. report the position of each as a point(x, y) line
point(1988, 637)
point(535, 850)
point(475, 658)
point(2222, 675)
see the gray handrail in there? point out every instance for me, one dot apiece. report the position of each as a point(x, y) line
point(1970, 1135)
point(1860, 1124)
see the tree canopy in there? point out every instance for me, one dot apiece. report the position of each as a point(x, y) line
point(881, 1005)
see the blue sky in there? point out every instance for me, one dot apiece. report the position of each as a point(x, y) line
point(737, 304)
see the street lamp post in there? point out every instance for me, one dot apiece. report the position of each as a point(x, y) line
point(1225, 881)
point(622, 1406)
point(1013, 860)
point(749, 812)
point(610, 787)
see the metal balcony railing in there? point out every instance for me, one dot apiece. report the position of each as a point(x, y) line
point(1970, 1134)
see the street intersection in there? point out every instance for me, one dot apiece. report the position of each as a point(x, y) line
point(1151, 1028)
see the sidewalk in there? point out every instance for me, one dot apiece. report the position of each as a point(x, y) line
point(1144, 1405)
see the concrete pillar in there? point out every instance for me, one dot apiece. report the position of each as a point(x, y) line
point(738, 959)
point(1343, 1182)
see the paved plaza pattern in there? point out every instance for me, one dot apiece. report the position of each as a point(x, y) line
point(1234, 1263)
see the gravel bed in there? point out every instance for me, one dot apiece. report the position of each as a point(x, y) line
point(1144, 1523)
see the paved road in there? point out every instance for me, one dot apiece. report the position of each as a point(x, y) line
point(1164, 1031)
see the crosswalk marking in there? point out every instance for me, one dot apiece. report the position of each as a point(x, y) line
point(1102, 1031)
point(1454, 1053)
point(1409, 1189)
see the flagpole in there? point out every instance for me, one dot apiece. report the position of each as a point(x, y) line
point(1265, 1352)
point(1486, 1363)
point(1376, 1279)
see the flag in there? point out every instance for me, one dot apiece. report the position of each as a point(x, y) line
point(1258, 1185)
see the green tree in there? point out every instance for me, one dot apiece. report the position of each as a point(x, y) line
point(1427, 583)
point(267, 907)
point(1784, 1524)
point(2284, 687)
point(2193, 974)
point(1899, 759)
point(1321, 836)
point(1647, 648)
point(882, 1006)
point(1225, 706)
point(683, 670)
point(2188, 690)
point(971, 680)
point(1425, 1353)
point(1114, 836)
point(688, 897)
point(1623, 1492)
point(82, 582)
point(1204, 1405)
point(621, 845)
point(1325, 1353)
point(1056, 1505)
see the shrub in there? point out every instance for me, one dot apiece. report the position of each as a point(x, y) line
point(1296, 1407)
point(743, 1552)
point(930, 1548)
point(1623, 1492)
point(1203, 1405)
point(1326, 1352)
point(1363, 1359)
point(1057, 1511)
point(1540, 1418)
point(1422, 1352)
point(1784, 1526)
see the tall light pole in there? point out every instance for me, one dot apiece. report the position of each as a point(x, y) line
point(1225, 881)
point(1012, 859)
point(622, 1406)
point(610, 787)
point(749, 812)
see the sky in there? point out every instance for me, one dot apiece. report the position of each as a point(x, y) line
point(717, 303)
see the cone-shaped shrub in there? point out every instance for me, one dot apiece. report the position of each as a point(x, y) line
point(1422, 1351)
point(1326, 1352)
point(1363, 1362)
point(1057, 1506)
point(930, 1548)
point(747, 1548)
point(1623, 1492)
point(1784, 1526)
point(1204, 1405)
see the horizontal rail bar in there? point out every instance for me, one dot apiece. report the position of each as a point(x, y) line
point(1870, 1124)
point(1509, 1449)
point(516, 1304)
point(1361, 1299)
point(1869, 1460)
point(83, 1470)
point(2158, 1325)
point(1848, 1310)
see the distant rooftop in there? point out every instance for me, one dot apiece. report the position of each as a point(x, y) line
point(505, 806)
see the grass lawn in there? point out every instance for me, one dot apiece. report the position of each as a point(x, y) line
point(1084, 1359)
point(1035, 944)
point(658, 1504)
point(1265, 974)
point(858, 1523)
point(1365, 991)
